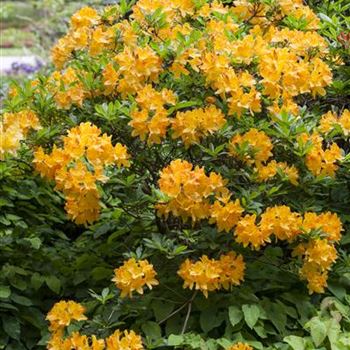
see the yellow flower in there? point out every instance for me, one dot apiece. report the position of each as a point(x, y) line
point(61, 52)
point(225, 214)
point(318, 255)
point(193, 125)
point(232, 267)
point(14, 127)
point(67, 88)
point(85, 17)
point(320, 161)
point(151, 120)
point(121, 155)
point(77, 178)
point(248, 233)
point(208, 275)
point(110, 79)
point(321, 252)
point(268, 171)
point(328, 122)
point(188, 190)
point(137, 66)
point(281, 222)
point(133, 276)
point(126, 340)
point(64, 312)
point(328, 222)
point(240, 346)
point(344, 121)
point(258, 143)
point(101, 39)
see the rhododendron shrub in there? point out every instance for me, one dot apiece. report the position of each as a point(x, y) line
point(191, 156)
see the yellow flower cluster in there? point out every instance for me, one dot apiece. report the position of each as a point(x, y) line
point(240, 346)
point(150, 119)
point(284, 224)
point(86, 31)
point(67, 88)
point(188, 190)
point(137, 67)
point(133, 276)
point(208, 275)
point(289, 62)
point(64, 312)
point(78, 166)
point(258, 144)
point(230, 84)
point(272, 168)
point(330, 121)
point(247, 232)
point(286, 76)
point(193, 125)
point(328, 222)
point(320, 161)
point(318, 255)
point(127, 340)
point(225, 213)
point(255, 147)
point(257, 12)
point(14, 127)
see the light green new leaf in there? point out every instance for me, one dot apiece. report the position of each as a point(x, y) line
point(235, 315)
point(251, 314)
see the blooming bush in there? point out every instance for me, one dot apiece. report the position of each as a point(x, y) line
point(185, 145)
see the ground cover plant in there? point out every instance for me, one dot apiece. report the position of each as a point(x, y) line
point(180, 179)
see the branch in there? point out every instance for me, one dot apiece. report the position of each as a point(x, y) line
point(188, 312)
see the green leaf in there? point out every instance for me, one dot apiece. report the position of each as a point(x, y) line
point(210, 319)
point(296, 343)
point(162, 309)
point(37, 280)
point(175, 340)
point(318, 330)
point(53, 283)
point(333, 330)
point(19, 299)
point(152, 330)
point(12, 327)
point(276, 313)
point(5, 292)
point(251, 314)
point(100, 273)
point(35, 242)
point(235, 315)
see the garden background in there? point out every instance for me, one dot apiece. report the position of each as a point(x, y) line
point(46, 257)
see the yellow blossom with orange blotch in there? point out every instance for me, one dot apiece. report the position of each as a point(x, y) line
point(188, 190)
point(133, 276)
point(192, 126)
point(208, 275)
point(124, 340)
point(281, 222)
point(248, 233)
